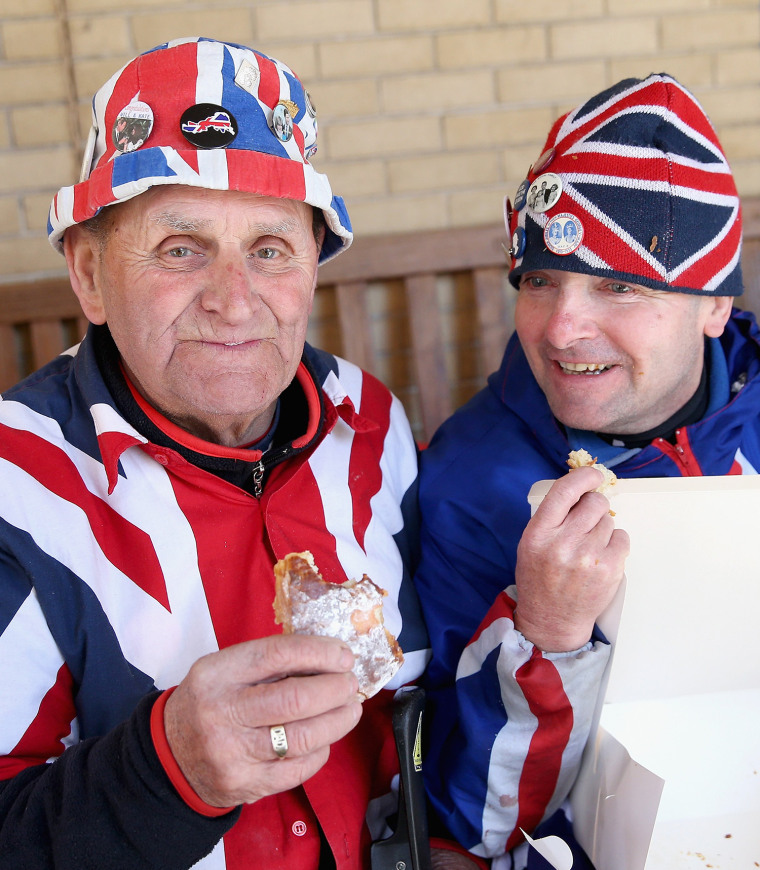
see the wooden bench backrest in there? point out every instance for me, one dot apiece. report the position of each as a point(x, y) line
point(427, 312)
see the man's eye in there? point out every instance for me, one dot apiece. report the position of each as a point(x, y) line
point(534, 281)
point(620, 288)
point(266, 253)
point(179, 252)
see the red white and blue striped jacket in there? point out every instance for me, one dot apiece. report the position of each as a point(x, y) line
point(121, 563)
point(508, 723)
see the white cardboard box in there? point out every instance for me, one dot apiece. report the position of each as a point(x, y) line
point(671, 775)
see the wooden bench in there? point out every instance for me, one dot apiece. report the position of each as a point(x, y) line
point(427, 312)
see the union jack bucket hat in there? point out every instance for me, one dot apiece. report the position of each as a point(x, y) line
point(207, 114)
point(634, 185)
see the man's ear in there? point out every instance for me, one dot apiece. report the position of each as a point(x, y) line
point(717, 315)
point(82, 251)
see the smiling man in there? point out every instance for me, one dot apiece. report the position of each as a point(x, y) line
point(625, 345)
point(153, 714)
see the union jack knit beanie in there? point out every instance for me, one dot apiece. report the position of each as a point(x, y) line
point(207, 114)
point(632, 184)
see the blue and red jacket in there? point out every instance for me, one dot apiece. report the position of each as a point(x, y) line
point(508, 723)
point(122, 562)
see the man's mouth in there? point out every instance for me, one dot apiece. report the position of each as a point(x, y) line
point(572, 368)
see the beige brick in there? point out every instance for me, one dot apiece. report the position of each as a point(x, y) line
point(342, 100)
point(710, 30)
point(388, 136)
point(5, 136)
point(741, 142)
point(630, 36)
point(735, 106)
point(517, 159)
point(37, 39)
point(367, 57)
point(397, 214)
point(300, 57)
point(32, 83)
point(100, 36)
point(30, 170)
point(9, 216)
point(34, 126)
point(509, 11)
point(550, 82)
point(26, 9)
point(443, 171)
point(495, 46)
point(91, 74)
point(35, 209)
point(656, 7)
point(355, 178)
point(20, 257)
point(314, 19)
point(79, 6)
point(693, 70)
point(234, 25)
point(435, 91)
point(475, 207)
point(431, 14)
point(738, 67)
point(747, 177)
point(499, 128)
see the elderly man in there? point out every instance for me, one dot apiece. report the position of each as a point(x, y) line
point(625, 345)
point(152, 477)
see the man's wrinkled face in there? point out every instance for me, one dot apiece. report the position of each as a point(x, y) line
point(611, 356)
point(207, 295)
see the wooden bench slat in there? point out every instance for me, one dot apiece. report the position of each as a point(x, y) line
point(495, 304)
point(428, 351)
point(356, 335)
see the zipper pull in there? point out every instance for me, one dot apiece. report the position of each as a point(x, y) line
point(258, 479)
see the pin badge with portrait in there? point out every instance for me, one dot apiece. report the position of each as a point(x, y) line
point(207, 125)
point(282, 123)
point(132, 126)
point(563, 234)
point(519, 240)
point(544, 192)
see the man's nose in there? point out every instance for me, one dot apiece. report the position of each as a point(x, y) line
point(230, 290)
point(572, 318)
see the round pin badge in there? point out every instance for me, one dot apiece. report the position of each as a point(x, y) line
point(519, 240)
point(132, 126)
point(544, 192)
point(544, 160)
point(522, 194)
point(563, 234)
point(207, 125)
point(282, 123)
point(310, 107)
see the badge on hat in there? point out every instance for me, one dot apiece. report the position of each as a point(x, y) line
point(282, 121)
point(207, 125)
point(132, 126)
point(544, 192)
point(563, 234)
point(522, 194)
point(544, 160)
point(519, 240)
point(247, 77)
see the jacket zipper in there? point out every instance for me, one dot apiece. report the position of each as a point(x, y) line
point(266, 462)
point(681, 454)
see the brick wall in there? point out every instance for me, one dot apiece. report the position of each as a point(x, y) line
point(430, 110)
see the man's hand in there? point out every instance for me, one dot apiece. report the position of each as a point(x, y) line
point(570, 562)
point(217, 720)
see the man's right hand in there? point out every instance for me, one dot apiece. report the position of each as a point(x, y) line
point(218, 718)
point(570, 562)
